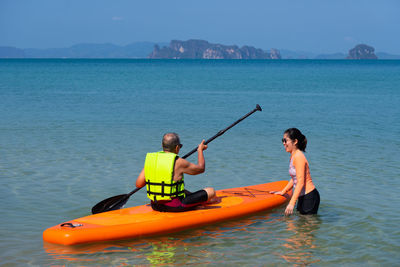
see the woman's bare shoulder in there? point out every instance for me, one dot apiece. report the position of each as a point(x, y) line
point(299, 157)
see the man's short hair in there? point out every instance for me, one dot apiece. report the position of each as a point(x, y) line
point(170, 141)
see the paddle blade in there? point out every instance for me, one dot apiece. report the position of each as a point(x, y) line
point(112, 203)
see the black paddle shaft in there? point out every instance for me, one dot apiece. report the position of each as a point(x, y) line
point(258, 108)
point(117, 202)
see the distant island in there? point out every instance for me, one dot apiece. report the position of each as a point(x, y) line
point(184, 49)
point(362, 51)
point(134, 50)
point(200, 49)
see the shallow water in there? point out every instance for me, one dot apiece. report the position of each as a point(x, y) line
point(73, 132)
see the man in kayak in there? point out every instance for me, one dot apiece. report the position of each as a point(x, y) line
point(163, 177)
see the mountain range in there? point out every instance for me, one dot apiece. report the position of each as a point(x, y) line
point(141, 50)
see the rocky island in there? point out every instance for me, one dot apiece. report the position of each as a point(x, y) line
point(200, 49)
point(362, 51)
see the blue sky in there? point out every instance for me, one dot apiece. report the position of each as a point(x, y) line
point(319, 26)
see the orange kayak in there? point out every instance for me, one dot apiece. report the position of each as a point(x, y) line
point(142, 221)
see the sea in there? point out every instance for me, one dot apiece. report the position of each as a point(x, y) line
point(76, 131)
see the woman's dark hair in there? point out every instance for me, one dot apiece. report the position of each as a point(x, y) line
point(294, 134)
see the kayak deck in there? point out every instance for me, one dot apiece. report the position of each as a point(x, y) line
point(142, 220)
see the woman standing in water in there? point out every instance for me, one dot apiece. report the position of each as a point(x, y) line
point(303, 187)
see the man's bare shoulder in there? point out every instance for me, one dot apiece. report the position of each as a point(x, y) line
point(180, 162)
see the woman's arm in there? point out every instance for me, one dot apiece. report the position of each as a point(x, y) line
point(285, 189)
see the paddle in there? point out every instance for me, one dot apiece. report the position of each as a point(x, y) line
point(117, 202)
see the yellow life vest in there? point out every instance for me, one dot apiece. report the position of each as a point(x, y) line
point(159, 173)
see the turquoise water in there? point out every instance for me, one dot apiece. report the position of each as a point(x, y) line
point(73, 132)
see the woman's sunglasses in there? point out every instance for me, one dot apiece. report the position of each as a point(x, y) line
point(284, 140)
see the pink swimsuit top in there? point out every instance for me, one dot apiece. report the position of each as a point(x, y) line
point(292, 173)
